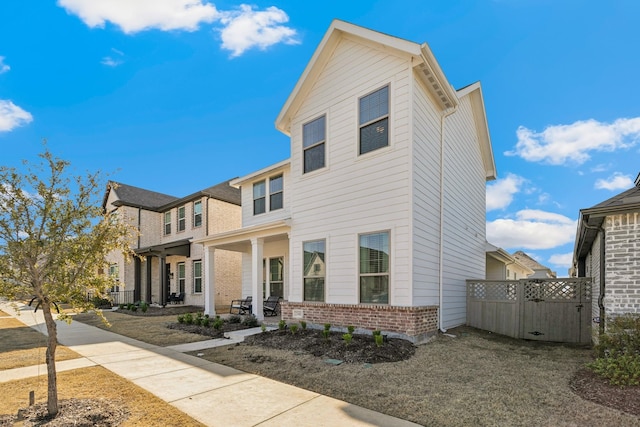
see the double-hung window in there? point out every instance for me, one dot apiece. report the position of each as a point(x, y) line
point(313, 141)
point(197, 277)
point(374, 120)
point(259, 198)
point(314, 270)
point(181, 276)
point(374, 268)
point(275, 193)
point(182, 218)
point(167, 223)
point(197, 214)
point(114, 273)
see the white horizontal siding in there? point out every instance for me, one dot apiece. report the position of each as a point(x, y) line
point(353, 194)
point(246, 192)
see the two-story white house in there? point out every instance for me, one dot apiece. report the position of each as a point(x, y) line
point(378, 217)
point(168, 263)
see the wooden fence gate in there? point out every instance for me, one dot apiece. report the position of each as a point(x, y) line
point(536, 309)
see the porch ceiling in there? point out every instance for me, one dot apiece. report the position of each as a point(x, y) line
point(179, 247)
point(240, 240)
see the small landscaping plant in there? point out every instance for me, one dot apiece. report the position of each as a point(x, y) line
point(618, 352)
point(181, 318)
point(303, 325)
point(294, 329)
point(326, 333)
point(378, 338)
point(188, 319)
point(282, 325)
point(347, 338)
point(351, 329)
point(218, 323)
point(263, 328)
point(144, 306)
point(250, 321)
point(234, 319)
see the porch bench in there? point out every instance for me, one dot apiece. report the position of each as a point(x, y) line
point(241, 306)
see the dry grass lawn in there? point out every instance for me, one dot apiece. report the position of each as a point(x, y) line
point(24, 346)
point(150, 329)
point(145, 409)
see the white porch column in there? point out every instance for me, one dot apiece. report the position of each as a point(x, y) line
point(257, 250)
point(209, 271)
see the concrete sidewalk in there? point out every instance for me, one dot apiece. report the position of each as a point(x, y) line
point(213, 394)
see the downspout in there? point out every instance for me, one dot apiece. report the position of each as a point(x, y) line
point(444, 115)
point(602, 313)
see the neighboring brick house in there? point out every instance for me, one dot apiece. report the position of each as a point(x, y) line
point(378, 217)
point(607, 249)
point(168, 262)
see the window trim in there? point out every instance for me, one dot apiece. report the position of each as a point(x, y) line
point(181, 277)
point(263, 197)
point(387, 273)
point(281, 191)
point(195, 278)
point(324, 277)
point(181, 222)
point(196, 215)
point(386, 116)
point(167, 223)
point(316, 144)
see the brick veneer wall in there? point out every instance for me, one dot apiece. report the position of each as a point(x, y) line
point(413, 323)
point(622, 254)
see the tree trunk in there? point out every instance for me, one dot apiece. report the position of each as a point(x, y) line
point(52, 343)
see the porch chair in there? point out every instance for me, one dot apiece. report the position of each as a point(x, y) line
point(241, 306)
point(180, 298)
point(271, 306)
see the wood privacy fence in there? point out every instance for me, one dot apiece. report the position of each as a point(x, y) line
point(536, 309)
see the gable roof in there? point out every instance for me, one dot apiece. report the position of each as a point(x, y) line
point(424, 60)
point(136, 197)
point(529, 262)
point(591, 219)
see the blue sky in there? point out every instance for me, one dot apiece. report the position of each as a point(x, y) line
point(178, 95)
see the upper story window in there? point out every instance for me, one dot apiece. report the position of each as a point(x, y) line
point(182, 218)
point(197, 213)
point(374, 120)
point(259, 198)
point(274, 186)
point(167, 223)
point(275, 193)
point(313, 139)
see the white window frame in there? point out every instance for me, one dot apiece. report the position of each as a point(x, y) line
point(260, 197)
point(196, 278)
point(272, 193)
point(197, 215)
point(370, 122)
point(386, 274)
point(167, 223)
point(181, 272)
point(315, 144)
point(181, 216)
point(314, 276)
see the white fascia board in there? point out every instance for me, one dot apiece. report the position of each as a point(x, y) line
point(237, 183)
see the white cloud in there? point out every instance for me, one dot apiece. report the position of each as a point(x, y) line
point(113, 60)
point(532, 229)
point(139, 15)
point(500, 193)
point(562, 260)
point(240, 29)
point(617, 181)
point(3, 67)
point(12, 116)
point(246, 28)
point(564, 144)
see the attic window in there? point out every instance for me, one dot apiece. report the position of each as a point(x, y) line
point(374, 120)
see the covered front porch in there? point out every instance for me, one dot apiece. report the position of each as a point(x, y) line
point(265, 263)
point(155, 288)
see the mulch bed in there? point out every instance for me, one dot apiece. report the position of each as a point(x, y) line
point(208, 331)
point(71, 412)
point(362, 348)
point(594, 388)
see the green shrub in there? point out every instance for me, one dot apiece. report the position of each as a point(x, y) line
point(234, 319)
point(618, 351)
point(326, 334)
point(144, 307)
point(376, 332)
point(206, 322)
point(250, 321)
point(181, 318)
point(351, 329)
point(282, 325)
point(99, 302)
point(133, 308)
point(303, 324)
point(294, 329)
point(188, 319)
point(379, 339)
point(218, 323)
point(347, 338)
point(327, 326)
point(130, 306)
point(263, 328)
point(123, 306)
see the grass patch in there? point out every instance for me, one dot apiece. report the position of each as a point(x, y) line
point(149, 329)
point(145, 409)
point(24, 346)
